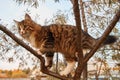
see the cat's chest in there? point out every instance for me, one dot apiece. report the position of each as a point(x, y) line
point(32, 40)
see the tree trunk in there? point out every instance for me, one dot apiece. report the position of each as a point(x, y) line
point(83, 16)
point(79, 47)
point(85, 72)
point(81, 63)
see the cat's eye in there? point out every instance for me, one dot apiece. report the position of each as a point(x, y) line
point(28, 27)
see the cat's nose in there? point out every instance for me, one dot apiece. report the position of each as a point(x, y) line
point(22, 32)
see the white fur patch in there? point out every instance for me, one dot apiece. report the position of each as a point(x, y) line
point(68, 69)
point(47, 60)
point(38, 51)
point(32, 41)
point(85, 51)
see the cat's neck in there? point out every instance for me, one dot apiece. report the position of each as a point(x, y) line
point(37, 27)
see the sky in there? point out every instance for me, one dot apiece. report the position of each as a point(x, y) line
point(10, 10)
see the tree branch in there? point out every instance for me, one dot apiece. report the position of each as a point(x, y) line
point(85, 74)
point(101, 40)
point(43, 68)
point(103, 37)
point(79, 31)
point(5, 30)
point(83, 16)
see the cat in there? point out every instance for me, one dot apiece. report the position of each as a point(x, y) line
point(57, 38)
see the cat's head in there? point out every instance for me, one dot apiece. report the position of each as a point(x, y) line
point(27, 26)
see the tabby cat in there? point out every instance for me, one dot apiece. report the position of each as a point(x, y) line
point(57, 38)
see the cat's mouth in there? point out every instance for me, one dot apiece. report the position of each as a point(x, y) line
point(22, 32)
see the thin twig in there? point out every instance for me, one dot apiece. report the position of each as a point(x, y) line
point(83, 16)
point(106, 33)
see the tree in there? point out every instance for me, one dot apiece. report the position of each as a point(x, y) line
point(84, 60)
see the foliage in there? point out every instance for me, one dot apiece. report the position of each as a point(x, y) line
point(32, 3)
point(18, 74)
point(14, 73)
point(98, 15)
point(28, 2)
point(12, 52)
point(116, 56)
point(59, 18)
point(60, 67)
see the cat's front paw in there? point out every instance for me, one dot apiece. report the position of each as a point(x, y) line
point(63, 73)
point(38, 51)
point(48, 66)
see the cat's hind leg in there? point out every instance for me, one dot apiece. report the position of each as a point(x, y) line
point(70, 66)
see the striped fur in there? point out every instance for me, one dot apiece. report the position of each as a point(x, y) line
point(56, 38)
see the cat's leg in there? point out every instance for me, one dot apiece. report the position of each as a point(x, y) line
point(39, 52)
point(69, 68)
point(49, 59)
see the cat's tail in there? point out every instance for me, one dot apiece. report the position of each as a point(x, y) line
point(109, 40)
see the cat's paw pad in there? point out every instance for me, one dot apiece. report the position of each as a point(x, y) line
point(63, 73)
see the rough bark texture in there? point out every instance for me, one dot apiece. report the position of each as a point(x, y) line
point(79, 49)
point(83, 16)
point(85, 71)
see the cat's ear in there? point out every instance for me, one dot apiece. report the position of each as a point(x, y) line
point(16, 22)
point(27, 16)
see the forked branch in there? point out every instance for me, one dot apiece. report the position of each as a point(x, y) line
point(112, 24)
point(43, 68)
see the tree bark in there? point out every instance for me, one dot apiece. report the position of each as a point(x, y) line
point(79, 47)
point(81, 63)
point(20, 42)
point(106, 33)
point(85, 71)
point(83, 16)
point(103, 37)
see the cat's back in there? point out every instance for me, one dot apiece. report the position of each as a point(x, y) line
point(63, 30)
